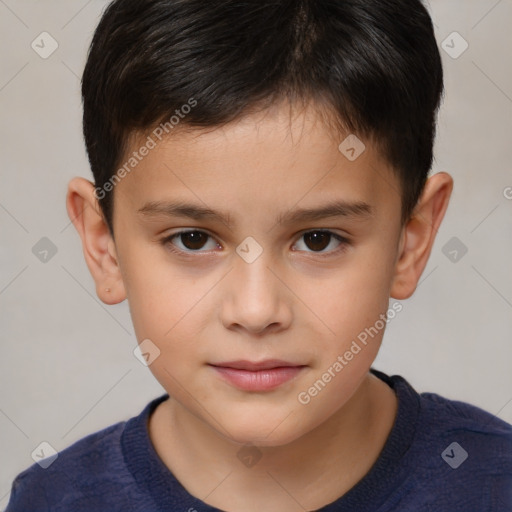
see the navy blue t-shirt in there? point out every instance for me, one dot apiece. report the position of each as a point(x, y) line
point(440, 456)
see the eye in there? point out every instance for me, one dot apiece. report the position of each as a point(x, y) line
point(319, 239)
point(191, 241)
point(196, 241)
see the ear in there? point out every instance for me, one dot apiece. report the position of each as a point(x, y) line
point(97, 242)
point(419, 233)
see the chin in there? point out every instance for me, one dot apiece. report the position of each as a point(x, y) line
point(260, 430)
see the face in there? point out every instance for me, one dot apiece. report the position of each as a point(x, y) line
point(244, 270)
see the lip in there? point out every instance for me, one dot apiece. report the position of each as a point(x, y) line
point(243, 364)
point(258, 376)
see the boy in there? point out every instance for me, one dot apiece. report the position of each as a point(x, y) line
point(260, 193)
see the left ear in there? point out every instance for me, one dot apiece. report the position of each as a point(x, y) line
point(419, 233)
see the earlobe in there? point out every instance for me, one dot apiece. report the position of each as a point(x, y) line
point(418, 236)
point(97, 243)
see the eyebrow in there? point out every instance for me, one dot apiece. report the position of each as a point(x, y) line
point(351, 210)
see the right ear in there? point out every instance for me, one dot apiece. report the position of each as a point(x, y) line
point(97, 242)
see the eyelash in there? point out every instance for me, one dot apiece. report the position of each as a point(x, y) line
point(344, 242)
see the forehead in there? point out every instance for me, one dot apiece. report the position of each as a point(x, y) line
point(270, 162)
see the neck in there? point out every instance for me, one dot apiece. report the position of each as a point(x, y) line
point(312, 471)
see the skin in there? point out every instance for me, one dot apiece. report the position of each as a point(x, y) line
point(290, 303)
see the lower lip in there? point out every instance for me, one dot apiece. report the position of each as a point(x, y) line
point(261, 380)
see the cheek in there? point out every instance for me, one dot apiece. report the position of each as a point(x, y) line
point(163, 297)
point(352, 298)
point(353, 305)
point(171, 318)
point(168, 311)
point(158, 290)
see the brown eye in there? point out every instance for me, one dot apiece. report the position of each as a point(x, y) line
point(317, 240)
point(193, 239)
point(189, 241)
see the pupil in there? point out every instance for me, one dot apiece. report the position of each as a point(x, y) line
point(196, 239)
point(317, 240)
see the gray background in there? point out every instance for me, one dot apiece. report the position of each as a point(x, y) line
point(67, 367)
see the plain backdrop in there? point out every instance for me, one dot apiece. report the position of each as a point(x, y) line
point(67, 366)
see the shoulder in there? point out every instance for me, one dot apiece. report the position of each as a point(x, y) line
point(436, 417)
point(90, 471)
point(465, 451)
point(443, 416)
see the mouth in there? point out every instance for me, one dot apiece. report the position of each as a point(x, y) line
point(258, 376)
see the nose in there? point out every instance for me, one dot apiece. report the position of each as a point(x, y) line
point(255, 299)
